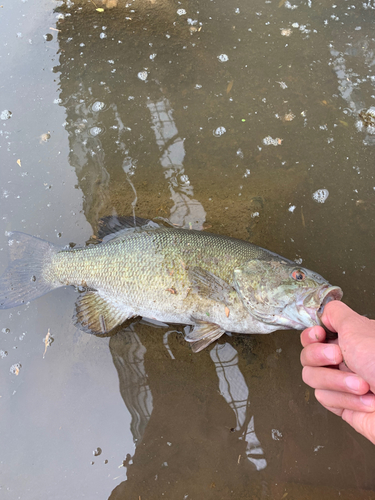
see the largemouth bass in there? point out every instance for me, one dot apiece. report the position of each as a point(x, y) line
point(172, 275)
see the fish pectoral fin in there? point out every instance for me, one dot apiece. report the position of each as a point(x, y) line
point(203, 334)
point(98, 315)
point(207, 285)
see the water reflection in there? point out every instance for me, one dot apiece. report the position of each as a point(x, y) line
point(185, 209)
point(234, 390)
point(157, 397)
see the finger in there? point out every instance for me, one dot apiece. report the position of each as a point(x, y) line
point(341, 400)
point(312, 335)
point(336, 315)
point(334, 380)
point(321, 355)
point(364, 423)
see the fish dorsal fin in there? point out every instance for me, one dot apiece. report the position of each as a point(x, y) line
point(206, 284)
point(203, 334)
point(114, 226)
point(99, 315)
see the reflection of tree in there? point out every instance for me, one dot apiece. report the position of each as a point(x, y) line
point(122, 131)
point(184, 425)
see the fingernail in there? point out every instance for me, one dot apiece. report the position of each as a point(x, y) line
point(312, 334)
point(330, 353)
point(368, 400)
point(353, 383)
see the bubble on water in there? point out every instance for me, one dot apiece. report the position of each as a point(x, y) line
point(181, 12)
point(276, 434)
point(3, 354)
point(97, 106)
point(320, 195)
point(5, 115)
point(5, 330)
point(142, 75)
point(15, 369)
point(223, 58)
point(254, 214)
point(57, 101)
point(268, 141)
point(95, 131)
point(97, 452)
point(103, 35)
point(219, 131)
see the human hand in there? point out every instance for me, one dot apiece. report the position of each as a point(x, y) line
point(342, 372)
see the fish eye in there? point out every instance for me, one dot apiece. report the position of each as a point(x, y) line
point(298, 275)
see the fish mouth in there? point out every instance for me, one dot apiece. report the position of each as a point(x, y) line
point(315, 302)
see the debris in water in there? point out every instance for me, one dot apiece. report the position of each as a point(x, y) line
point(268, 141)
point(227, 311)
point(97, 452)
point(48, 339)
point(288, 117)
point(15, 369)
point(286, 32)
point(19, 163)
point(320, 195)
point(45, 137)
point(230, 85)
point(5, 115)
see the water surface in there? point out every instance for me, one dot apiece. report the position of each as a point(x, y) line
point(238, 118)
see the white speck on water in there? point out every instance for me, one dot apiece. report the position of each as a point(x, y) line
point(295, 25)
point(298, 261)
point(5, 115)
point(319, 447)
point(292, 208)
point(219, 131)
point(254, 214)
point(278, 350)
point(103, 35)
point(142, 75)
point(185, 179)
point(223, 58)
point(152, 56)
point(97, 106)
point(320, 195)
point(283, 85)
point(181, 12)
point(247, 173)
point(198, 86)
point(276, 435)
point(15, 369)
point(237, 11)
point(111, 61)
point(95, 131)
point(239, 153)
point(288, 5)
point(268, 141)
point(192, 22)
point(3, 354)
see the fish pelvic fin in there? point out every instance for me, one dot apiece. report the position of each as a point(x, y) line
point(25, 278)
point(203, 334)
point(99, 315)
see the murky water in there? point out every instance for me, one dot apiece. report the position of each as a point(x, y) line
point(241, 118)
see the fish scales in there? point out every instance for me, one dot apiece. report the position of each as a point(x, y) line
point(215, 283)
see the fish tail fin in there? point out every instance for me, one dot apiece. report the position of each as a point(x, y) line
point(25, 279)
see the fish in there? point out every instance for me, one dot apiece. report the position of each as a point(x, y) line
point(154, 270)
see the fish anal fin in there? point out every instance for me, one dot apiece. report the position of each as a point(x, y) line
point(98, 315)
point(203, 334)
point(207, 285)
